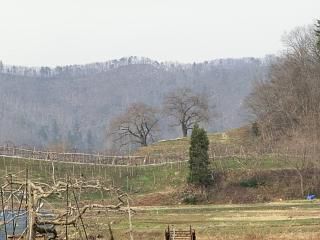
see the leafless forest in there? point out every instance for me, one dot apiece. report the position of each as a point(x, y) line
point(72, 106)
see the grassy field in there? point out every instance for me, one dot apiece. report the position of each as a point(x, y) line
point(280, 220)
point(230, 142)
point(146, 179)
point(133, 179)
point(156, 193)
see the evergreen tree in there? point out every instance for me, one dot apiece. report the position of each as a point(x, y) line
point(199, 172)
point(44, 133)
point(90, 141)
point(75, 136)
point(55, 132)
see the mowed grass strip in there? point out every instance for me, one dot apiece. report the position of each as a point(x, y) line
point(267, 221)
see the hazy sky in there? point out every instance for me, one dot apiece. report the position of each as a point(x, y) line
point(58, 32)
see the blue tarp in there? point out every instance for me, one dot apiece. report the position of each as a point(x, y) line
point(311, 197)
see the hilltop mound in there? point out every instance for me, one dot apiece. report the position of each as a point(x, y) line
point(235, 141)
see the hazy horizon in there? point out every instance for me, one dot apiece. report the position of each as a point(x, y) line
point(51, 33)
point(138, 57)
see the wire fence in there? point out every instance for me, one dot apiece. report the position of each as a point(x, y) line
point(132, 160)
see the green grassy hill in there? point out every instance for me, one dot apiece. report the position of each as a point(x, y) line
point(233, 141)
point(239, 175)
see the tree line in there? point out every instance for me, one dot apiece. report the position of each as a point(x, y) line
point(287, 103)
point(75, 108)
point(76, 70)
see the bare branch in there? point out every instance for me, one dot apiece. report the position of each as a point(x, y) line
point(187, 108)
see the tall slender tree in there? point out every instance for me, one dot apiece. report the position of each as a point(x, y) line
point(317, 30)
point(199, 172)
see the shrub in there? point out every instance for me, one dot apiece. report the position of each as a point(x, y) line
point(252, 182)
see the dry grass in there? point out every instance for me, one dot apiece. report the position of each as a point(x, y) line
point(231, 142)
point(283, 220)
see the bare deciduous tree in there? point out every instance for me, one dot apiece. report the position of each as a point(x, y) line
point(187, 108)
point(289, 99)
point(137, 125)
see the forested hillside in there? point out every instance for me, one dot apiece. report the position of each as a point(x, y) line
point(73, 105)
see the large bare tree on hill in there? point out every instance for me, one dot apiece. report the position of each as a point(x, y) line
point(137, 125)
point(186, 108)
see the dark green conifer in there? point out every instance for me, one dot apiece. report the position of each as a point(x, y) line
point(199, 172)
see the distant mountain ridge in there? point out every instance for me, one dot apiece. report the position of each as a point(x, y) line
point(98, 67)
point(73, 104)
